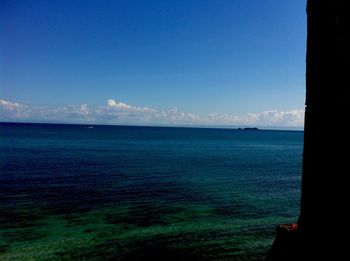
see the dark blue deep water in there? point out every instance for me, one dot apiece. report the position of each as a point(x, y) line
point(132, 193)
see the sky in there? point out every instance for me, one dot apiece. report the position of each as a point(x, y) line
point(154, 62)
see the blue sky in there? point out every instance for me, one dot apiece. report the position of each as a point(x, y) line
point(219, 61)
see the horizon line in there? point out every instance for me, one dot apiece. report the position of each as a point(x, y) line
point(278, 128)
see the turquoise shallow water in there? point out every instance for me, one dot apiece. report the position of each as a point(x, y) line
point(132, 193)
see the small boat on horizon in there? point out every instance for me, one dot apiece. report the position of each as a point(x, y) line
point(90, 127)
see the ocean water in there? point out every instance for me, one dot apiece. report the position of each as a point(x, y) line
point(70, 192)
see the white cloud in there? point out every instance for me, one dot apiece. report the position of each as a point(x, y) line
point(117, 112)
point(10, 106)
point(13, 110)
point(113, 104)
point(118, 105)
point(84, 109)
point(293, 118)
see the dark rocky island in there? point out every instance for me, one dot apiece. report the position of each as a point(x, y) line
point(248, 128)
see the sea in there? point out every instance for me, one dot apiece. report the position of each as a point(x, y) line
point(80, 192)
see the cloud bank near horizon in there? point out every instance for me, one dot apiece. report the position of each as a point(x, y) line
point(119, 113)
